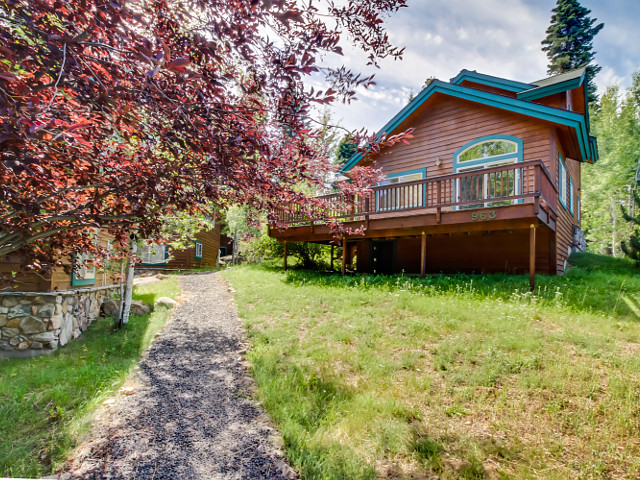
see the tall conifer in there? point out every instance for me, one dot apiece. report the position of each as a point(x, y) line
point(569, 41)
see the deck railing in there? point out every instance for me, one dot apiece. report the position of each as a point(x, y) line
point(489, 187)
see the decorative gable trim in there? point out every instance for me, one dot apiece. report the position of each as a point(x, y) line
point(490, 81)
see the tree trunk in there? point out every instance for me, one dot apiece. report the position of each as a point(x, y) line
point(125, 302)
point(614, 222)
point(234, 250)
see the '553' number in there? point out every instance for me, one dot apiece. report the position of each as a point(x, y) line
point(475, 216)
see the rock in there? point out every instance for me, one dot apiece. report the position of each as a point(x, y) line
point(23, 345)
point(10, 332)
point(111, 307)
point(13, 323)
point(4, 310)
point(127, 390)
point(3, 319)
point(139, 308)
point(39, 300)
point(9, 302)
point(47, 310)
point(19, 311)
point(52, 345)
point(32, 325)
point(5, 346)
point(165, 302)
point(36, 346)
point(44, 337)
point(65, 331)
point(71, 301)
point(161, 276)
point(56, 321)
point(14, 341)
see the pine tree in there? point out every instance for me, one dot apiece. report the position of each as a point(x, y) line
point(569, 41)
point(632, 248)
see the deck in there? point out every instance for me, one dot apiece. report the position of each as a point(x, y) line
point(513, 196)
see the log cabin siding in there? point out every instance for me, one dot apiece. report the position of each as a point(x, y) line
point(186, 259)
point(566, 220)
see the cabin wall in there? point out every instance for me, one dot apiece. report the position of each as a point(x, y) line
point(450, 124)
point(186, 259)
point(566, 220)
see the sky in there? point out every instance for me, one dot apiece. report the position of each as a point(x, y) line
point(495, 37)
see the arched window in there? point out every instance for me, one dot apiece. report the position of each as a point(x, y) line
point(482, 153)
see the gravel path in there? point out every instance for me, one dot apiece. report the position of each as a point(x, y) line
point(188, 413)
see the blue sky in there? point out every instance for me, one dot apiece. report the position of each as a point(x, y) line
point(496, 37)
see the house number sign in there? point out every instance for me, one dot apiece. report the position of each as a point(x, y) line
point(490, 214)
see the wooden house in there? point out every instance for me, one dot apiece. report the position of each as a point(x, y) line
point(489, 183)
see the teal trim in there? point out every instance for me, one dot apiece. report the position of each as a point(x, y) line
point(198, 257)
point(76, 282)
point(490, 81)
point(570, 119)
point(562, 186)
point(480, 161)
point(545, 91)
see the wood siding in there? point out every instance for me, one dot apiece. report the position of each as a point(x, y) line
point(186, 259)
point(566, 220)
point(443, 125)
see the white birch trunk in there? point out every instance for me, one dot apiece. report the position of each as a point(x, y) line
point(125, 303)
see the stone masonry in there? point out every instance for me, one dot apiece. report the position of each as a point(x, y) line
point(34, 323)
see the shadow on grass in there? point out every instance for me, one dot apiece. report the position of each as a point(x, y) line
point(44, 401)
point(592, 283)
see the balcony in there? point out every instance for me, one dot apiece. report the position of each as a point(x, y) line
point(495, 197)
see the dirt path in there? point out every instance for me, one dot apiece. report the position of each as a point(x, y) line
point(190, 415)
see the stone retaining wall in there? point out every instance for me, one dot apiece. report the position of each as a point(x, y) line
point(34, 323)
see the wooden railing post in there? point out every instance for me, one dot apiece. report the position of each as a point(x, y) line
point(532, 257)
point(333, 247)
point(439, 201)
point(423, 255)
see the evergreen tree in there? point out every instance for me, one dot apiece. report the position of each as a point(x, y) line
point(346, 149)
point(632, 248)
point(569, 41)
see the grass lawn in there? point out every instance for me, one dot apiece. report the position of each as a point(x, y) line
point(47, 402)
point(450, 376)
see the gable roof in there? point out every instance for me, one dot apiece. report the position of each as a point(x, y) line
point(576, 121)
point(556, 84)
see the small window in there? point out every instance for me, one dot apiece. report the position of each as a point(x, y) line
point(571, 197)
point(198, 250)
point(153, 254)
point(562, 181)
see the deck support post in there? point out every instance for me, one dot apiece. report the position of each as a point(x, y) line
point(532, 257)
point(284, 262)
point(333, 247)
point(344, 255)
point(423, 255)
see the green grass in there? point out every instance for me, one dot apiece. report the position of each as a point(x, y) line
point(450, 376)
point(47, 402)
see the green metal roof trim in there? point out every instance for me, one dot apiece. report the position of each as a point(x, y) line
point(562, 117)
point(490, 81)
point(556, 84)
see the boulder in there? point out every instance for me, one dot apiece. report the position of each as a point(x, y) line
point(3, 319)
point(9, 302)
point(65, 331)
point(165, 302)
point(32, 325)
point(44, 337)
point(139, 308)
point(10, 332)
point(36, 346)
point(56, 321)
point(111, 307)
point(47, 310)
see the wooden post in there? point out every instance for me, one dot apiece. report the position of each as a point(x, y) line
point(332, 255)
point(532, 257)
point(423, 255)
point(285, 256)
point(344, 255)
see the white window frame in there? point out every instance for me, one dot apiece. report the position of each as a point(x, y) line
point(562, 181)
point(153, 254)
point(199, 250)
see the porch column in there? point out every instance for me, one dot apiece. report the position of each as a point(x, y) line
point(285, 256)
point(532, 257)
point(344, 255)
point(423, 255)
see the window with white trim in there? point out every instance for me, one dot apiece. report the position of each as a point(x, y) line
point(571, 197)
point(398, 199)
point(488, 153)
point(562, 181)
point(153, 254)
point(198, 249)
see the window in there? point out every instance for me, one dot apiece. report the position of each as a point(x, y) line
point(410, 196)
point(562, 181)
point(154, 254)
point(480, 154)
point(198, 250)
point(84, 270)
point(571, 197)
